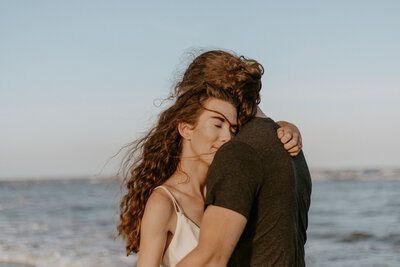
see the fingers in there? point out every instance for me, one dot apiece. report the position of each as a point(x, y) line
point(284, 135)
point(280, 133)
point(295, 150)
point(290, 139)
point(294, 146)
point(291, 144)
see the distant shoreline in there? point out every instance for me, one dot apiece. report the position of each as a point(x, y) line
point(356, 174)
point(316, 175)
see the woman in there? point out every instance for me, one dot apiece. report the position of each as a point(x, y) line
point(163, 207)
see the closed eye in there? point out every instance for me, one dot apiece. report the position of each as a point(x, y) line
point(233, 127)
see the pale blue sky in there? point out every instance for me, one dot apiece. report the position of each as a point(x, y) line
point(78, 78)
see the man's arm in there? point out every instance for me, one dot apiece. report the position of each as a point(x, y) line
point(233, 180)
point(221, 229)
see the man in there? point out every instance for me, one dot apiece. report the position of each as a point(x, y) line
point(257, 203)
point(258, 196)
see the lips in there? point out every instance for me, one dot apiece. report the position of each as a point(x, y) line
point(215, 147)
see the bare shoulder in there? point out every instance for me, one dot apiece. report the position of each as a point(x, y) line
point(159, 209)
point(156, 223)
point(160, 200)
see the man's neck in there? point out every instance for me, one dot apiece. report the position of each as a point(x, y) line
point(260, 114)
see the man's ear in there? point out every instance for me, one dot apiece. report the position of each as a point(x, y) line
point(185, 130)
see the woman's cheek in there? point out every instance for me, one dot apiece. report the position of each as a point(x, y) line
point(212, 134)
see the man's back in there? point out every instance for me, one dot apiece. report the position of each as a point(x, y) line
point(255, 176)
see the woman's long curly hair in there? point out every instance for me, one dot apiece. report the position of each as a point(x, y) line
point(152, 159)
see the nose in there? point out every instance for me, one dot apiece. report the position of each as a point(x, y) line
point(226, 136)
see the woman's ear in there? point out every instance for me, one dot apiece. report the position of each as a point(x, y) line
point(185, 130)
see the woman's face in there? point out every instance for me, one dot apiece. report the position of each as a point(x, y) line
point(215, 126)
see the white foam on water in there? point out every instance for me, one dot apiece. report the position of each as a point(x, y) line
point(45, 258)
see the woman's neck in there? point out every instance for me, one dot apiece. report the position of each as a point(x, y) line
point(190, 176)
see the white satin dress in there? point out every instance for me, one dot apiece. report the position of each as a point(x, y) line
point(185, 239)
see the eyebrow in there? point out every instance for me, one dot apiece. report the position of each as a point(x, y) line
point(219, 118)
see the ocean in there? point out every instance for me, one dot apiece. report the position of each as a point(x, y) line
point(73, 223)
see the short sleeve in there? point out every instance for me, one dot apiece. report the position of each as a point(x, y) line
point(234, 178)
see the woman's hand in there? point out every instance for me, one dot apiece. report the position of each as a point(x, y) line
point(290, 137)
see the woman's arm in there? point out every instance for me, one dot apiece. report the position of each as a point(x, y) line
point(288, 133)
point(156, 221)
point(290, 137)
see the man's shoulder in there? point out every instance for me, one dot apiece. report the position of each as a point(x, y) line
point(258, 128)
point(236, 157)
point(236, 148)
point(260, 134)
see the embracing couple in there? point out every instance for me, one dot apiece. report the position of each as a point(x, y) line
point(216, 182)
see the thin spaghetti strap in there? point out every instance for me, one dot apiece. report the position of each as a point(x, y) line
point(176, 205)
